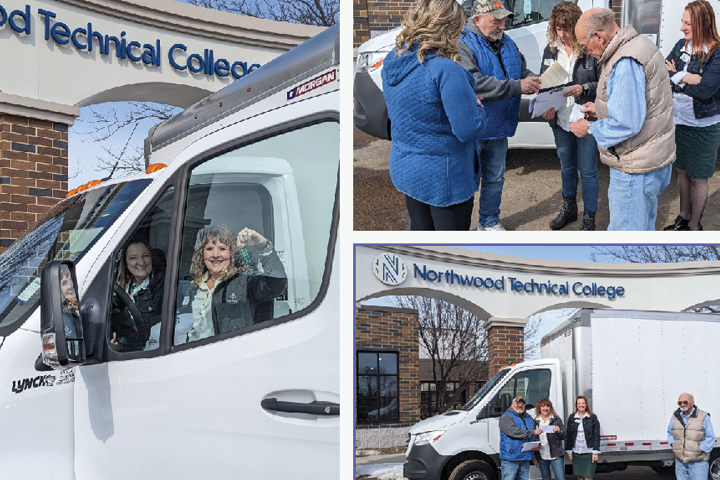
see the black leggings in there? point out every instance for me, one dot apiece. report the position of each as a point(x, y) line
point(429, 217)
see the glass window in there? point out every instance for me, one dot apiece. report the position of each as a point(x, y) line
point(139, 274)
point(528, 11)
point(532, 385)
point(256, 231)
point(66, 231)
point(377, 390)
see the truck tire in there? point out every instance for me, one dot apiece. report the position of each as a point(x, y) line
point(714, 470)
point(473, 470)
point(668, 471)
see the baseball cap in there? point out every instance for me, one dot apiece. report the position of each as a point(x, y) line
point(496, 8)
point(518, 399)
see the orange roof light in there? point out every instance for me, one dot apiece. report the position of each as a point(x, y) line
point(155, 167)
point(71, 193)
point(92, 183)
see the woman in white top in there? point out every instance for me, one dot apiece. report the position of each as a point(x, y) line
point(551, 455)
point(582, 444)
point(694, 67)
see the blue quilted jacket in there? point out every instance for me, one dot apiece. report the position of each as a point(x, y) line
point(503, 115)
point(435, 124)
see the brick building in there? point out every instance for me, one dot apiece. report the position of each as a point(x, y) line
point(33, 172)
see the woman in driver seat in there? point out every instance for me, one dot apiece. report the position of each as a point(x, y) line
point(143, 280)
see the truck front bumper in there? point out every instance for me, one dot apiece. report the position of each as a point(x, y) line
point(424, 462)
point(369, 109)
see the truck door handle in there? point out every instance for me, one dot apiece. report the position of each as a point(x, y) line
point(314, 408)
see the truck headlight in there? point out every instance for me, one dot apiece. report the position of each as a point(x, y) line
point(428, 437)
point(370, 61)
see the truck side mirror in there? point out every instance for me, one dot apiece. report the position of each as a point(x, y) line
point(505, 401)
point(60, 323)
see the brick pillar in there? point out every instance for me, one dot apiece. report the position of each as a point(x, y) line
point(506, 342)
point(33, 172)
point(617, 10)
point(389, 329)
point(361, 28)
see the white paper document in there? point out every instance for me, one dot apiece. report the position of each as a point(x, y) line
point(552, 98)
point(529, 446)
point(576, 114)
point(554, 75)
point(547, 428)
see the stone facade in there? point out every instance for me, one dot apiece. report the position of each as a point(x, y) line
point(388, 329)
point(33, 172)
point(506, 345)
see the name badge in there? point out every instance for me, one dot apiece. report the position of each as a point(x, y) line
point(549, 61)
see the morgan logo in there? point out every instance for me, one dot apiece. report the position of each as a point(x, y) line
point(310, 85)
point(389, 269)
point(28, 383)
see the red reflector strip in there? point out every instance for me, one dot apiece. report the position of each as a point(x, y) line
point(647, 443)
point(612, 444)
point(663, 443)
point(629, 444)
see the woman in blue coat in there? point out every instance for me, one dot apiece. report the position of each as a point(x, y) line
point(435, 118)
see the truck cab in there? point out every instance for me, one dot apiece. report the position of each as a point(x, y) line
point(261, 155)
point(465, 444)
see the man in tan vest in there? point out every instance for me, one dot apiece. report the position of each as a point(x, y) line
point(692, 438)
point(635, 130)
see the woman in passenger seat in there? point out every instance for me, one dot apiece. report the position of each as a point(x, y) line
point(231, 276)
point(142, 280)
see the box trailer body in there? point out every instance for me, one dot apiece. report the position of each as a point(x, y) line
point(631, 365)
point(262, 153)
point(659, 20)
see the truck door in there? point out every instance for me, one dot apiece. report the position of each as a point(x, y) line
point(245, 383)
point(533, 385)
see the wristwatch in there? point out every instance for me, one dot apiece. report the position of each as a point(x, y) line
point(586, 89)
point(589, 131)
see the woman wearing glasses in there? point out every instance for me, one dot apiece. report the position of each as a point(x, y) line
point(582, 444)
point(694, 67)
point(435, 118)
point(576, 154)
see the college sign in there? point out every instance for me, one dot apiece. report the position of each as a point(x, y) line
point(391, 270)
point(86, 38)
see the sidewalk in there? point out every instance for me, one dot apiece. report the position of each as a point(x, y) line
point(380, 467)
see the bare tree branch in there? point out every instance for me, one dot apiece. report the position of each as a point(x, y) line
point(321, 13)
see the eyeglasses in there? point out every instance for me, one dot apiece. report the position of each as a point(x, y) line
point(684, 402)
point(583, 48)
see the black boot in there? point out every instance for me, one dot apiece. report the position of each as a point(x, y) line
point(568, 213)
point(588, 222)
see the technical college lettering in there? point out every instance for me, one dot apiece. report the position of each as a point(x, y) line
point(517, 286)
point(86, 38)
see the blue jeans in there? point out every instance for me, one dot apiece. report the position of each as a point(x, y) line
point(691, 470)
point(578, 154)
point(634, 198)
point(557, 466)
point(492, 172)
point(510, 470)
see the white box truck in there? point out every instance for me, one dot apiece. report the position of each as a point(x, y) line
point(631, 365)
point(659, 20)
point(258, 400)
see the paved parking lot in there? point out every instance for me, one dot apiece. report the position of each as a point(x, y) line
point(531, 196)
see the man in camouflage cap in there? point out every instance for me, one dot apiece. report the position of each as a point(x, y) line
point(501, 76)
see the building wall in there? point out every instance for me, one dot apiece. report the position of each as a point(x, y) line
point(33, 172)
point(388, 329)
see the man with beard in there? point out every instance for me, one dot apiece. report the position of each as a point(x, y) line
point(501, 75)
point(692, 438)
point(516, 428)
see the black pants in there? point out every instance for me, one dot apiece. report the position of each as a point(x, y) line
point(428, 217)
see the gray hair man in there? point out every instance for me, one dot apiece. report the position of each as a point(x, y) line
point(501, 75)
point(692, 438)
point(635, 130)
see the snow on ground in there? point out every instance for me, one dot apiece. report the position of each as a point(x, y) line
point(381, 471)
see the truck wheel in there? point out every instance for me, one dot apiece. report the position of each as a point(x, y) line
point(669, 471)
point(714, 471)
point(473, 470)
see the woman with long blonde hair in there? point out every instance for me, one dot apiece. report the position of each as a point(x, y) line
point(582, 444)
point(435, 118)
point(551, 456)
point(694, 67)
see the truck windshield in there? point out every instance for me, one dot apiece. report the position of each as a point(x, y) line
point(484, 390)
point(66, 231)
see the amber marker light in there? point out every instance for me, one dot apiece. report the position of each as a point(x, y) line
point(71, 193)
point(92, 183)
point(155, 167)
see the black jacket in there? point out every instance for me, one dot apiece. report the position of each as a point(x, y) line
point(705, 95)
point(591, 426)
point(555, 440)
point(149, 302)
point(235, 299)
point(585, 72)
